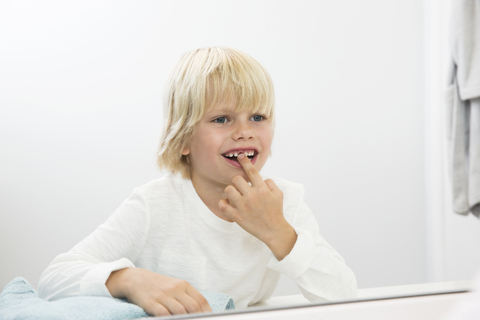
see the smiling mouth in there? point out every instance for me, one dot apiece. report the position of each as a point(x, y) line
point(233, 155)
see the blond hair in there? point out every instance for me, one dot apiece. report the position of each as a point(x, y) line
point(201, 79)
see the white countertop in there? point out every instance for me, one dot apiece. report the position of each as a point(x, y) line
point(375, 293)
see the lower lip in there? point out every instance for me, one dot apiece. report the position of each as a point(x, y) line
point(237, 164)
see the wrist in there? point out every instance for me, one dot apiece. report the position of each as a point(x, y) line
point(118, 282)
point(282, 242)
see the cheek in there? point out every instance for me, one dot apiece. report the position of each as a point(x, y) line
point(266, 137)
point(205, 143)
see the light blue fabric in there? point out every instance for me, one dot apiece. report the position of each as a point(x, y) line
point(19, 300)
point(218, 301)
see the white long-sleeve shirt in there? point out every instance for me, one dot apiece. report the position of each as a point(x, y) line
point(165, 227)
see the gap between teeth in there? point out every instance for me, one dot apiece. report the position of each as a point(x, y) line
point(235, 154)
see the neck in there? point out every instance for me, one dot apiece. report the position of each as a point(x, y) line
point(210, 194)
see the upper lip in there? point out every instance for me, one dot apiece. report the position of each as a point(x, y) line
point(241, 149)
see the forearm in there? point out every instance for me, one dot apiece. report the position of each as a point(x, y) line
point(319, 271)
point(73, 274)
point(62, 278)
point(328, 281)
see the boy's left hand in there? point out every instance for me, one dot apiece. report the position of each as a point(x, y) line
point(259, 209)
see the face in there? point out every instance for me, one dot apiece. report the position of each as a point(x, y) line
point(219, 136)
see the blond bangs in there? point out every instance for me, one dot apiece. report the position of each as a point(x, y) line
point(240, 80)
point(202, 79)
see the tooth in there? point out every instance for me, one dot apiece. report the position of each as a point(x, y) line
point(236, 154)
point(230, 155)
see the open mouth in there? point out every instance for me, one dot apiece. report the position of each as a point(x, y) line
point(233, 155)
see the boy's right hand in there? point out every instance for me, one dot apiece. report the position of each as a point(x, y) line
point(157, 294)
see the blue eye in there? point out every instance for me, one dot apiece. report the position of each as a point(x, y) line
point(220, 120)
point(258, 117)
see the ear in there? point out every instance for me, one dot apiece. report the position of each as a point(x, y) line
point(186, 151)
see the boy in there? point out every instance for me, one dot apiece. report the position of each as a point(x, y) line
point(212, 223)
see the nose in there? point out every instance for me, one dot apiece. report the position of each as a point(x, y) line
point(242, 131)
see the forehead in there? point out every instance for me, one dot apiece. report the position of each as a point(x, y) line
point(229, 107)
point(229, 101)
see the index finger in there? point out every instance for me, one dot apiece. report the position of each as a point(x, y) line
point(251, 171)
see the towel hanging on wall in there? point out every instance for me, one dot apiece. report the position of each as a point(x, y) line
point(463, 106)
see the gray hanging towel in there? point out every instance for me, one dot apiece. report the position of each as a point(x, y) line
point(463, 106)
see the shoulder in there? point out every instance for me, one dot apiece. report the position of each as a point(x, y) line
point(167, 187)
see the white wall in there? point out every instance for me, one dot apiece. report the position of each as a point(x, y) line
point(81, 85)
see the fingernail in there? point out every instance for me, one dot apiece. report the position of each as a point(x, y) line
point(241, 156)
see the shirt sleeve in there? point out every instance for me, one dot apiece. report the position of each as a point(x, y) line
point(319, 271)
point(114, 245)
